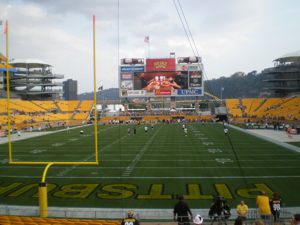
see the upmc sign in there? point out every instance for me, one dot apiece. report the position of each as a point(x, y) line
point(166, 64)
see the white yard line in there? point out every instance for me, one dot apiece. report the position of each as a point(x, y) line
point(65, 171)
point(157, 167)
point(28, 135)
point(129, 169)
point(166, 177)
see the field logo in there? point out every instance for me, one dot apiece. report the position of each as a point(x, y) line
point(131, 191)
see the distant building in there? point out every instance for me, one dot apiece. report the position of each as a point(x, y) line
point(34, 80)
point(70, 89)
point(283, 80)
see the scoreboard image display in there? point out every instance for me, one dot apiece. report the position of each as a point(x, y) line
point(161, 77)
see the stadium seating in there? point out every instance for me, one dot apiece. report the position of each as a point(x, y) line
point(25, 106)
point(289, 109)
point(85, 106)
point(16, 220)
point(67, 106)
point(268, 104)
point(154, 118)
point(251, 104)
point(20, 106)
point(48, 105)
point(80, 116)
point(120, 118)
point(234, 107)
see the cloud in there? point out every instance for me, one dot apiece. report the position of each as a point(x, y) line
point(230, 35)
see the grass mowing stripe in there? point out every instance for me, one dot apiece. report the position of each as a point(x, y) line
point(65, 171)
point(265, 163)
point(152, 177)
point(140, 154)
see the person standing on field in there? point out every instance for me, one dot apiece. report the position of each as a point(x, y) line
point(242, 210)
point(262, 202)
point(181, 210)
point(275, 204)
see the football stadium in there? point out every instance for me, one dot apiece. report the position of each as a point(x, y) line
point(165, 139)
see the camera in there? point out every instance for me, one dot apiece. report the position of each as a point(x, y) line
point(219, 210)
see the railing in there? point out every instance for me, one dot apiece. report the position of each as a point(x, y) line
point(119, 213)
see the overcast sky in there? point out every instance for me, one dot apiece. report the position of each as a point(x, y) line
point(231, 35)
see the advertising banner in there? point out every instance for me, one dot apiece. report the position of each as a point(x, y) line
point(195, 79)
point(163, 92)
point(126, 85)
point(189, 92)
point(126, 76)
point(165, 64)
point(132, 68)
point(140, 93)
point(186, 67)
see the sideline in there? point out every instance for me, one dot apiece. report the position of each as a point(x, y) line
point(151, 177)
point(120, 213)
point(282, 144)
point(28, 135)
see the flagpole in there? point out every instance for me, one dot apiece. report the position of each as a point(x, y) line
point(148, 49)
point(7, 93)
point(221, 94)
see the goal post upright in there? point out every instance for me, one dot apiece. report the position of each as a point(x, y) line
point(42, 189)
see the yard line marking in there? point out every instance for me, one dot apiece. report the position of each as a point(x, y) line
point(207, 160)
point(120, 177)
point(35, 151)
point(214, 150)
point(65, 171)
point(223, 161)
point(57, 144)
point(152, 167)
point(139, 155)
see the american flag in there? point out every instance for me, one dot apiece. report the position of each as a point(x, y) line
point(146, 39)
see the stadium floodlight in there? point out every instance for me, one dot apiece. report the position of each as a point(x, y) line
point(132, 61)
point(191, 59)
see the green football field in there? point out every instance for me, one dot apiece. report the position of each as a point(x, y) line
point(150, 170)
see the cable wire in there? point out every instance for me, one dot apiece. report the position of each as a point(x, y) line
point(190, 38)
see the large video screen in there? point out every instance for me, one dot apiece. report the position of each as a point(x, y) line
point(182, 81)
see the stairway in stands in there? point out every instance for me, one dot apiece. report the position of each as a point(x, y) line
point(76, 110)
point(261, 104)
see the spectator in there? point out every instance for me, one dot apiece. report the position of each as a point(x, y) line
point(275, 204)
point(130, 219)
point(296, 219)
point(242, 210)
point(258, 222)
point(238, 221)
point(262, 202)
point(181, 209)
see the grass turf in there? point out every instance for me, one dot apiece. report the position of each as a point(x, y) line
point(294, 143)
point(149, 170)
